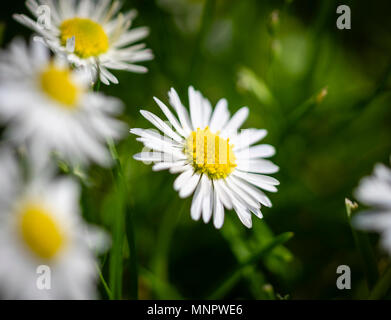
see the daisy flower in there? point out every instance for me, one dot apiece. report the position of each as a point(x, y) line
point(41, 230)
point(375, 192)
point(91, 33)
point(50, 108)
point(215, 161)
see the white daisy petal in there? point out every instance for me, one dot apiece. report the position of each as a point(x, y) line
point(187, 189)
point(170, 117)
point(182, 179)
point(196, 108)
point(236, 122)
point(183, 115)
point(247, 138)
point(218, 212)
point(259, 151)
point(220, 116)
point(196, 204)
point(255, 193)
point(167, 165)
point(225, 199)
point(207, 111)
point(207, 204)
point(161, 125)
point(257, 166)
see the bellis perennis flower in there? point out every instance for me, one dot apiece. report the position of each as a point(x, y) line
point(215, 161)
point(51, 108)
point(91, 33)
point(41, 227)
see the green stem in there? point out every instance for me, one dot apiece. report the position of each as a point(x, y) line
point(301, 112)
point(123, 212)
point(105, 286)
point(382, 286)
point(366, 253)
point(163, 242)
point(132, 255)
point(235, 274)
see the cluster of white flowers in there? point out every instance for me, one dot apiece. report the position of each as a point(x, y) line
point(48, 106)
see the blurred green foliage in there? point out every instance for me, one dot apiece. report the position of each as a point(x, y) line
point(277, 57)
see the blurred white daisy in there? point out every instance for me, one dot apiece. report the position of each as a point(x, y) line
point(49, 107)
point(91, 33)
point(375, 192)
point(215, 161)
point(42, 235)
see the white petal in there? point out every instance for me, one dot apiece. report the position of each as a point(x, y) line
point(207, 204)
point(218, 215)
point(255, 193)
point(196, 204)
point(168, 165)
point(235, 123)
point(170, 117)
point(158, 123)
point(196, 109)
point(259, 180)
point(257, 166)
point(187, 189)
point(220, 116)
point(244, 216)
point(223, 196)
point(182, 179)
point(180, 110)
point(259, 151)
point(247, 138)
point(243, 195)
point(207, 111)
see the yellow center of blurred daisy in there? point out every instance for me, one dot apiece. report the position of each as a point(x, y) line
point(90, 38)
point(40, 232)
point(210, 154)
point(58, 85)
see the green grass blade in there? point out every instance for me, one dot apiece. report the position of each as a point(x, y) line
point(234, 275)
point(364, 247)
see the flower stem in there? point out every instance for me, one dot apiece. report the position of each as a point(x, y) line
point(234, 275)
point(123, 214)
point(364, 247)
point(162, 251)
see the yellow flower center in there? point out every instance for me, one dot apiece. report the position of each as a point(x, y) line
point(90, 38)
point(210, 154)
point(40, 231)
point(58, 85)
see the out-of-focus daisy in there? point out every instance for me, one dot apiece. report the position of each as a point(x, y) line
point(41, 230)
point(375, 192)
point(92, 33)
point(49, 106)
point(215, 161)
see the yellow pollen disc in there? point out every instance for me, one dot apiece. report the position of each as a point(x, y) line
point(40, 232)
point(58, 85)
point(90, 38)
point(210, 154)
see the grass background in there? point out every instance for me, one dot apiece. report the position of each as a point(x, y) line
point(226, 48)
